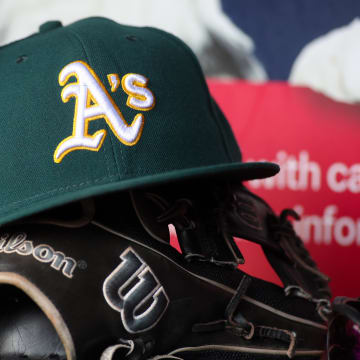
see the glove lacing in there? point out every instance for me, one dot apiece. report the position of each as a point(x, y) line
point(293, 246)
point(236, 323)
point(137, 349)
point(285, 234)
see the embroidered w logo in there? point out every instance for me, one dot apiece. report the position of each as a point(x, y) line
point(133, 290)
point(94, 102)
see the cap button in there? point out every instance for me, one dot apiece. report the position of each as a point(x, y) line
point(50, 25)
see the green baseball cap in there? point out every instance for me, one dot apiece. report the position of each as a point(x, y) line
point(96, 107)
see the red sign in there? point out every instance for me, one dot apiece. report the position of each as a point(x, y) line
point(315, 140)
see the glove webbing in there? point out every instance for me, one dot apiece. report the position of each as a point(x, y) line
point(249, 217)
point(201, 234)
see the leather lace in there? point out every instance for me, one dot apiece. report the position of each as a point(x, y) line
point(137, 349)
point(237, 324)
point(291, 243)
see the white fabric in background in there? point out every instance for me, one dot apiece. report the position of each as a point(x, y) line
point(330, 64)
point(223, 49)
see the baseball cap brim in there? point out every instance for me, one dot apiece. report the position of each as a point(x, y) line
point(241, 171)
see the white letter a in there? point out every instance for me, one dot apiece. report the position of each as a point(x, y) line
point(92, 102)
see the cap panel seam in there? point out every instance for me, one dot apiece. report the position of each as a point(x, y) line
point(75, 35)
point(183, 46)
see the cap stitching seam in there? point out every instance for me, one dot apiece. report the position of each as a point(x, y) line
point(203, 83)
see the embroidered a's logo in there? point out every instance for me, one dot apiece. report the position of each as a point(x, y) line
point(133, 290)
point(94, 102)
